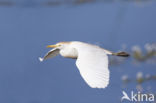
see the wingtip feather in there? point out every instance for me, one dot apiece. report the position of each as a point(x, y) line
point(40, 59)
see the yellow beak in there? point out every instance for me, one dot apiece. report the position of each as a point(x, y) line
point(52, 46)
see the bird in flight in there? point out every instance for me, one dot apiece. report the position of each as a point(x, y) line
point(91, 60)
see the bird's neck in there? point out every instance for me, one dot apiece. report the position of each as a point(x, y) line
point(69, 52)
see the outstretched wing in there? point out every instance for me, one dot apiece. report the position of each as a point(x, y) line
point(93, 67)
point(52, 53)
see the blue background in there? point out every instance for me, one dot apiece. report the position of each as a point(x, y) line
point(27, 26)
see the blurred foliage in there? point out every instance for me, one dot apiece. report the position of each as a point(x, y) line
point(6, 3)
point(139, 78)
point(60, 2)
point(138, 55)
point(150, 52)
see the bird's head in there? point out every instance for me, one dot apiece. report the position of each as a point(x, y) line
point(59, 45)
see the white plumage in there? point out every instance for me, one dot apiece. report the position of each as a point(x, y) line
point(92, 61)
point(93, 67)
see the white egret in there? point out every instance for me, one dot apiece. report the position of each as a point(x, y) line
point(92, 61)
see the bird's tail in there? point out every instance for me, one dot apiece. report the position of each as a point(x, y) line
point(122, 54)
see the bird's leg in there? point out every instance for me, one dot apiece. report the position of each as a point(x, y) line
point(123, 54)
